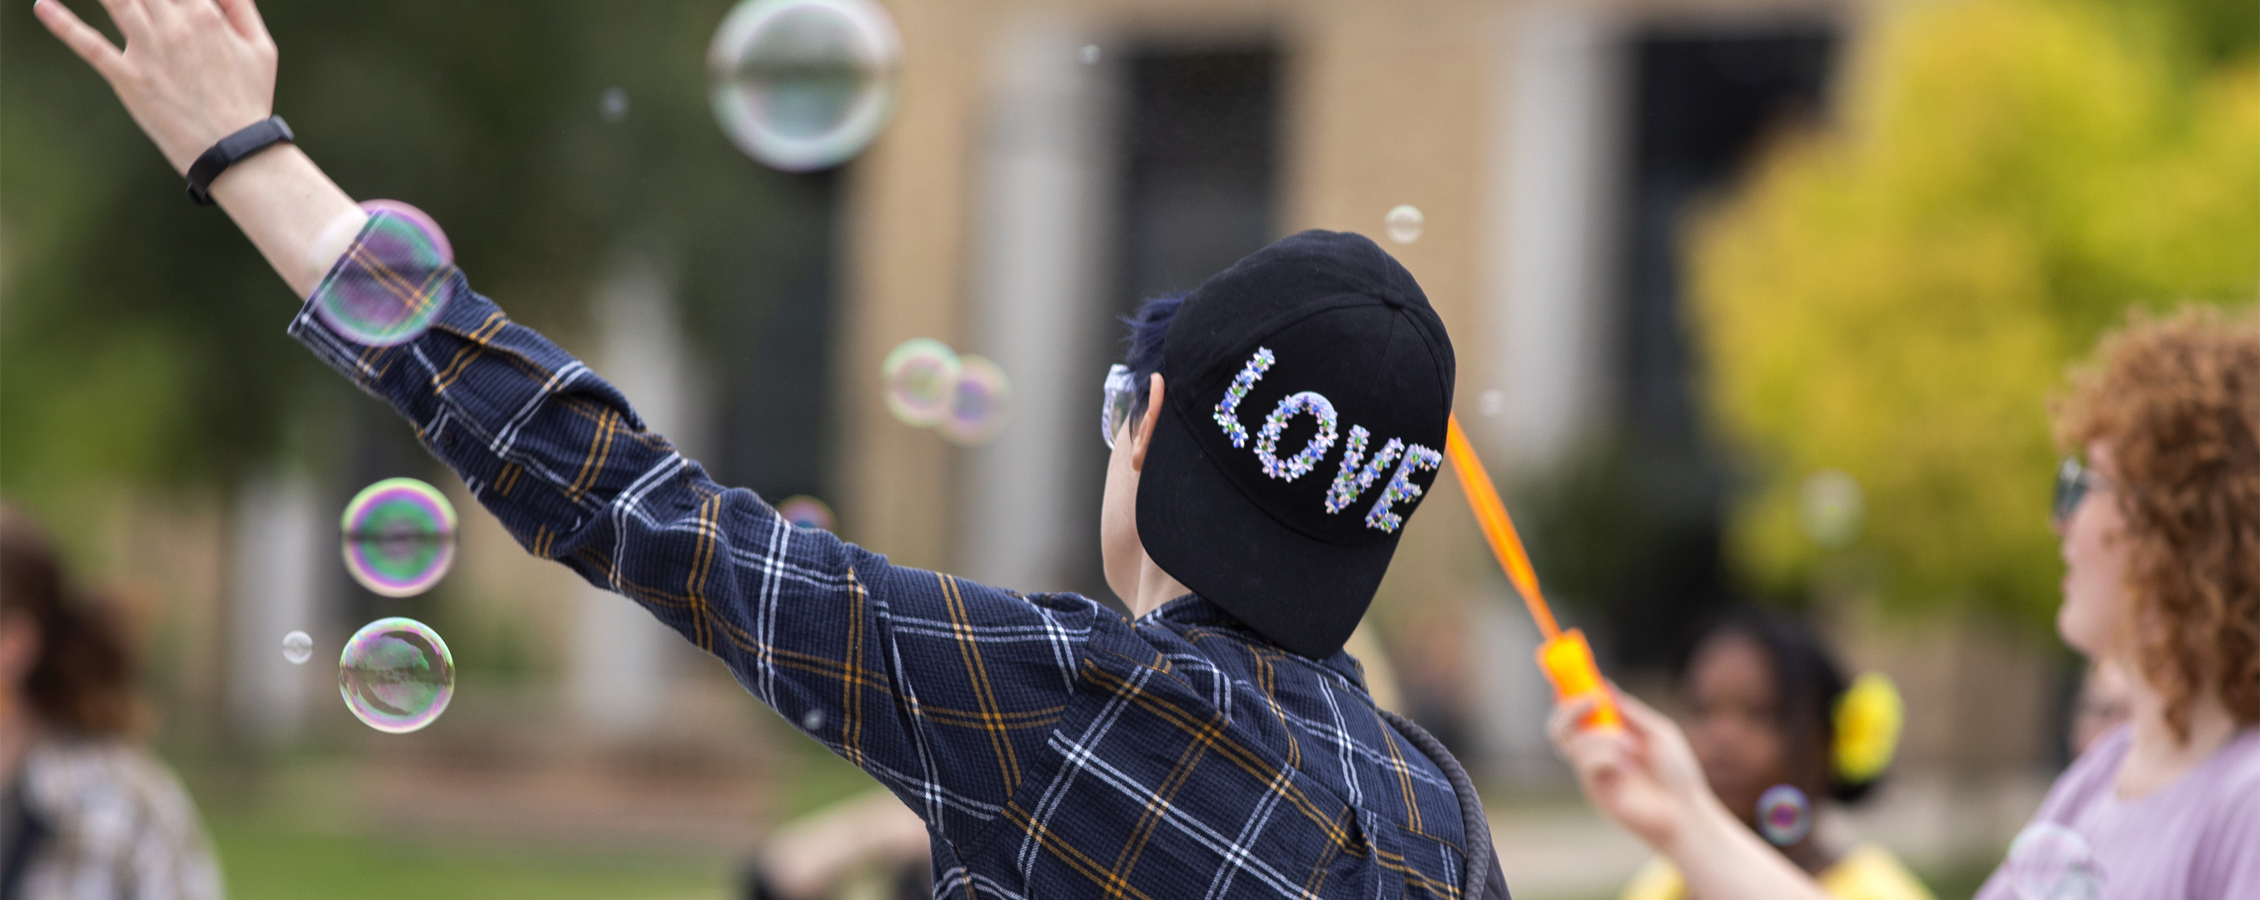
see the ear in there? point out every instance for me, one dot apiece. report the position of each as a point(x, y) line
point(1143, 434)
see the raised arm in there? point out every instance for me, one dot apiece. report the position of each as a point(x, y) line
point(1646, 778)
point(193, 72)
point(944, 690)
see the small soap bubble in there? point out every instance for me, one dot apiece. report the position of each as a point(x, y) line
point(802, 85)
point(921, 378)
point(1831, 506)
point(1404, 223)
point(813, 721)
point(399, 537)
point(613, 105)
point(400, 285)
point(298, 647)
point(396, 675)
point(2051, 862)
point(804, 511)
point(1785, 816)
point(1089, 54)
point(983, 403)
point(1492, 403)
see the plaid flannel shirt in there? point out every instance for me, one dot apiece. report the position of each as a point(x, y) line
point(1053, 747)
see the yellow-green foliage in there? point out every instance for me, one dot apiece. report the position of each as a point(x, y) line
point(1898, 296)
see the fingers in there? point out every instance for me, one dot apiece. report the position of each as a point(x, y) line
point(83, 40)
point(243, 16)
point(1561, 724)
point(131, 18)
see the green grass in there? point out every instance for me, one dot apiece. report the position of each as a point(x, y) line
point(262, 861)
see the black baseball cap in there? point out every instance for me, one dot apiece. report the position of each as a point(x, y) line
point(1307, 390)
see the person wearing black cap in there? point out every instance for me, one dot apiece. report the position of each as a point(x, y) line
point(1269, 442)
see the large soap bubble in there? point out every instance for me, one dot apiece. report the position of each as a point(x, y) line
point(396, 285)
point(921, 378)
point(981, 403)
point(2051, 862)
point(399, 537)
point(396, 675)
point(803, 85)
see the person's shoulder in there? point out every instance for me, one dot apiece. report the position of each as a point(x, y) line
point(2090, 776)
point(2233, 779)
point(1871, 872)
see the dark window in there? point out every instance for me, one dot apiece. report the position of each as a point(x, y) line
point(1701, 104)
point(1199, 141)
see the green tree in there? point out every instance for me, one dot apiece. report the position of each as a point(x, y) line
point(1897, 296)
point(141, 337)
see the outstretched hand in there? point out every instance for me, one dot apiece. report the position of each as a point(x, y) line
point(1644, 776)
point(192, 71)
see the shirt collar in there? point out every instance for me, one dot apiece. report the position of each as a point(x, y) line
point(1194, 610)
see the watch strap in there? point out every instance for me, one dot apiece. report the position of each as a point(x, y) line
point(232, 149)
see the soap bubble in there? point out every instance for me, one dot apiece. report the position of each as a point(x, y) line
point(1493, 403)
point(1404, 223)
point(1785, 816)
point(921, 376)
point(983, 403)
point(399, 537)
point(400, 283)
point(1089, 54)
point(805, 511)
point(804, 84)
point(298, 647)
point(813, 721)
point(1830, 506)
point(396, 675)
point(2051, 862)
point(613, 105)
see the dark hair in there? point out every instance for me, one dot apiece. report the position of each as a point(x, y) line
point(83, 679)
point(1809, 681)
point(1149, 326)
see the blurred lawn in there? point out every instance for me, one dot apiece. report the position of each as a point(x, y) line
point(261, 861)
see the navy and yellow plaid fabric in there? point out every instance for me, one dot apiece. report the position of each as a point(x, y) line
point(1053, 747)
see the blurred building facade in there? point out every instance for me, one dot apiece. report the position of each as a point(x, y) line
point(1052, 163)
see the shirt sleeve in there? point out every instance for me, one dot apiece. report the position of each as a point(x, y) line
point(942, 689)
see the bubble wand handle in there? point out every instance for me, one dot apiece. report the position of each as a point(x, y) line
point(1565, 657)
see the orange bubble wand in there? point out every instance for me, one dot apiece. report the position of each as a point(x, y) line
point(1564, 656)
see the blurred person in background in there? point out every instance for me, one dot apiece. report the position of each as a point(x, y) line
point(1768, 705)
point(88, 814)
point(2105, 702)
point(2160, 535)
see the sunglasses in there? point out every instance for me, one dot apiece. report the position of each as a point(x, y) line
point(2073, 481)
point(1121, 394)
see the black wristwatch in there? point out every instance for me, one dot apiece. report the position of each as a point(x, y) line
point(232, 149)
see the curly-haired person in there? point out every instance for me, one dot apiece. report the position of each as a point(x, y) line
point(2160, 529)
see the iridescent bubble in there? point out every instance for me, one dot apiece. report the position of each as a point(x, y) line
point(1830, 506)
point(1493, 403)
point(399, 537)
point(399, 286)
point(2051, 862)
point(613, 105)
point(1785, 816)
point(298, 647)
point(805, 511)
point(802, 85)
point(1089, 54)
point(983, 403)
point(1403, 223)
point(921, 377)
point(396, 675)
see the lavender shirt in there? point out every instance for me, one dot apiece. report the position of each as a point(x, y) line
point(2195, 839)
